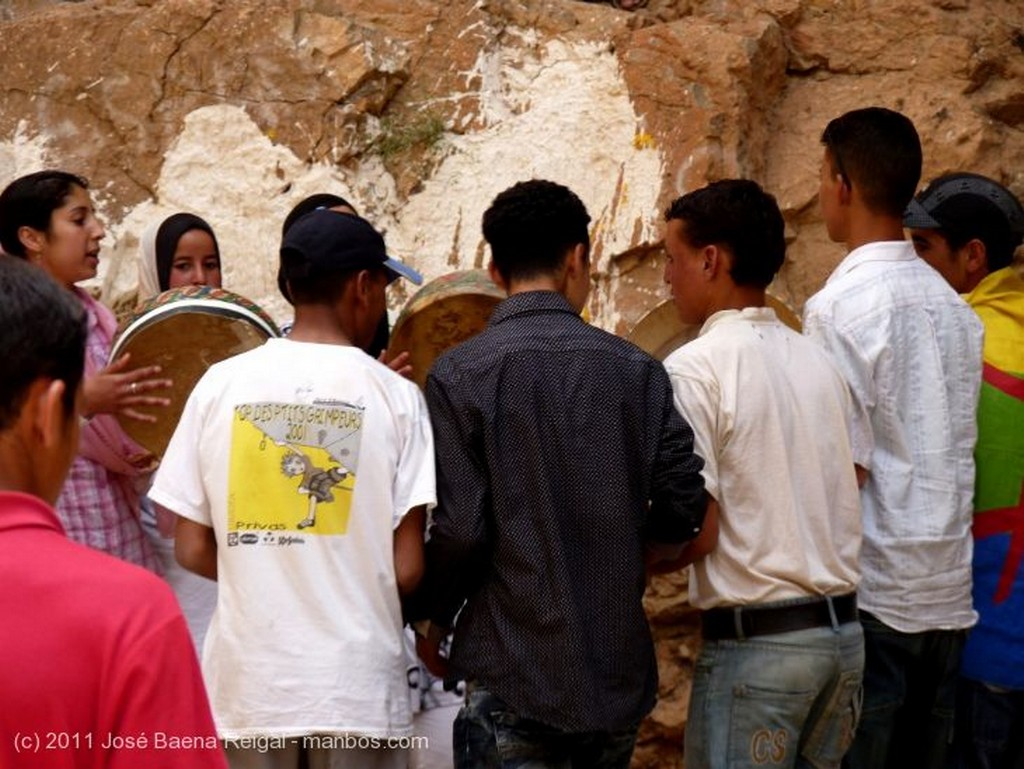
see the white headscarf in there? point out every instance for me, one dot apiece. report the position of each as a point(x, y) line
point(149, 282)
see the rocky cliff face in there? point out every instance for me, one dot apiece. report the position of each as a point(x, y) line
point(420, 111)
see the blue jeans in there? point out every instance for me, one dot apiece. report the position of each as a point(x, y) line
point(989, 726)
point(782, 700)
point(909, 698)
point(489, 735)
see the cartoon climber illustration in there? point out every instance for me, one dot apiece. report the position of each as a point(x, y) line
point(316, 482)
point(312, 449)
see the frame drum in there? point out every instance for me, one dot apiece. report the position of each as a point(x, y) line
point(660, 332)
point(185, 331)
point(443, 313)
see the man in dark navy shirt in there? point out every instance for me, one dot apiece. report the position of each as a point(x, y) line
point(562, 467)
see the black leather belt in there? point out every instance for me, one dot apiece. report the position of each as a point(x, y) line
point(739, 622)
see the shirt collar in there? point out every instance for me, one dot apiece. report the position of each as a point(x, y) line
point(23, 511)
point(747, 314)
point(531, 302)
point(880, 251)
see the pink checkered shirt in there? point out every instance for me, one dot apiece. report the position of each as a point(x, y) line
point(98, 509)
point(98, 506)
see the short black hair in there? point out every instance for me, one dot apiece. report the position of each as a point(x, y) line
point(327, 288)
point(878, 151)
point(320, 289)
point(532, 225)
point(739, 216)
point(30, 201)
point(42, 334)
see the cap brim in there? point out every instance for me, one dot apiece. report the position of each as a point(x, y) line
point(403, 270)
point(917, 218)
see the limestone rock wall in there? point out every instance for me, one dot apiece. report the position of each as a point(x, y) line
point(420, 111)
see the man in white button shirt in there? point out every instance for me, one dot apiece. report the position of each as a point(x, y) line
point(779, 676)
point(910, 349)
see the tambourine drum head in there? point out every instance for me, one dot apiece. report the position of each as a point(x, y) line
point(185, 331)
point(660, 332)
point(443, 313)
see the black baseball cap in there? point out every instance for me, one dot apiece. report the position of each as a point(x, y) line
point(964, 202)
point(326, 242)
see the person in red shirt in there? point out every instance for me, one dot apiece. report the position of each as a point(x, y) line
point(96, 664)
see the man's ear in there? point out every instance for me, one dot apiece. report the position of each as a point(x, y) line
point(577, 263)
point(713, 260)
point(844, 191)
point(363, 285)
point(976, 256)
point(45, 437)
point(50, 418)
point(496, 276)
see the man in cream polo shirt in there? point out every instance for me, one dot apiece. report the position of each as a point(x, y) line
point(779, 676)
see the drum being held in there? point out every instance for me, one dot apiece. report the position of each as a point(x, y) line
point(445, 312)
point(660, 331)
point(185, 331)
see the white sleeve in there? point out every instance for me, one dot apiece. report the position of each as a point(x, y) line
point(415, 482)
point(696, 397)
point(856, 370)
point(178, 484)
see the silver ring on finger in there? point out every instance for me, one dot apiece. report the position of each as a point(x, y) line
point(133, 387)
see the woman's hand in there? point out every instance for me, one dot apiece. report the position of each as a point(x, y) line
point(120, 390)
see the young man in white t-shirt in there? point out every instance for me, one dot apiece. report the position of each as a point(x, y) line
point(301, 473)
point(779, 674)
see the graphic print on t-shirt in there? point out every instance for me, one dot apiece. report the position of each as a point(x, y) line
point(292, 469)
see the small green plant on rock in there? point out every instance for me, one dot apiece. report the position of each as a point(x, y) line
point(396, 138)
